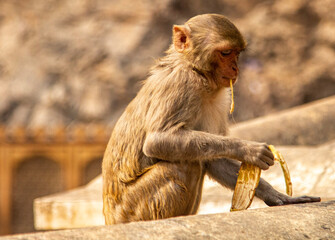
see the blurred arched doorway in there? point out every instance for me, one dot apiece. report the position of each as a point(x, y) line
point(34, 177)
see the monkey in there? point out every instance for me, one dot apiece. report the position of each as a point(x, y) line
point(174, 132)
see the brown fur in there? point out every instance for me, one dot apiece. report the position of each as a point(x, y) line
point(174, 131)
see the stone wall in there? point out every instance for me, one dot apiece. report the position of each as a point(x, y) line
point(39, 162)
point(81, 61)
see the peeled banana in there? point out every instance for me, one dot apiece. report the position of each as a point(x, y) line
point(247, 182)
point(248, 179)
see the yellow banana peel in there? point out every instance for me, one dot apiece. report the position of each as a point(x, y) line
point(279, 158)
point(248, 180)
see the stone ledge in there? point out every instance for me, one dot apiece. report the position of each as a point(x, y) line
point(310, 221)
point(82, 207)
point(311, 168)
point(308, 124)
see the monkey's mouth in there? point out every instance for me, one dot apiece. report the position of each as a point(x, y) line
point(227, 80)
point(234, 80)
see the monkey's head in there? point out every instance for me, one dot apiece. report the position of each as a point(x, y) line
point(212, 44)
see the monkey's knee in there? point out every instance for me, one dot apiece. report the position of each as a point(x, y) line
point(165, 200)
point(169, 200)
point(172, 200)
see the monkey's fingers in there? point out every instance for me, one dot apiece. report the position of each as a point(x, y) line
point(301, 199)
point(232, 106)
point(286, 172)
point(247, 182)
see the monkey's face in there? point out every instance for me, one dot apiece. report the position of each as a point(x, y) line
point(226, 65)
point(212, 44)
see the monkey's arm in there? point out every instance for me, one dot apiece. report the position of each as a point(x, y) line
point(190, 145)
point(225, 171)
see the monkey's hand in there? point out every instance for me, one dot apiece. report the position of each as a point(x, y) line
point(272, 197)
point(257, 154)
point(279, 199)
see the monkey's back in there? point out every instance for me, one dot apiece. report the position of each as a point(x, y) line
point(158, 107)
point(123, 159)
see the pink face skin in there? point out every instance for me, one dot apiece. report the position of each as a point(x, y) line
point(227, 68)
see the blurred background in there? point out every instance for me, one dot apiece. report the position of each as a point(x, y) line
point(69, 68)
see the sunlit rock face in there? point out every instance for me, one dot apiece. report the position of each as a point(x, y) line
point(82, 61)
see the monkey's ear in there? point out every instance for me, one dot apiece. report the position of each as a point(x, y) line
point(181, 37)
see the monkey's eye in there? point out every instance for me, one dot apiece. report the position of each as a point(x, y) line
point(226, 52)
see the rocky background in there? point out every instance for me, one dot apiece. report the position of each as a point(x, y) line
point(82, 61)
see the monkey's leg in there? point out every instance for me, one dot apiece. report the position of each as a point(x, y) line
point(225, 171)
point(164, 191)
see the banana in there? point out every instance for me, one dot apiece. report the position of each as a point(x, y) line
point(279, 158)
point(248, 180)
point(232, 106)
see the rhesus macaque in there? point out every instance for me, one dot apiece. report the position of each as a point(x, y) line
point(174, 131)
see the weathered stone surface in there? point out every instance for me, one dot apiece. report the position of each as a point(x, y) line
point(81, 207)
point(312, 173)
point(309, 124)
point(305, 221)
